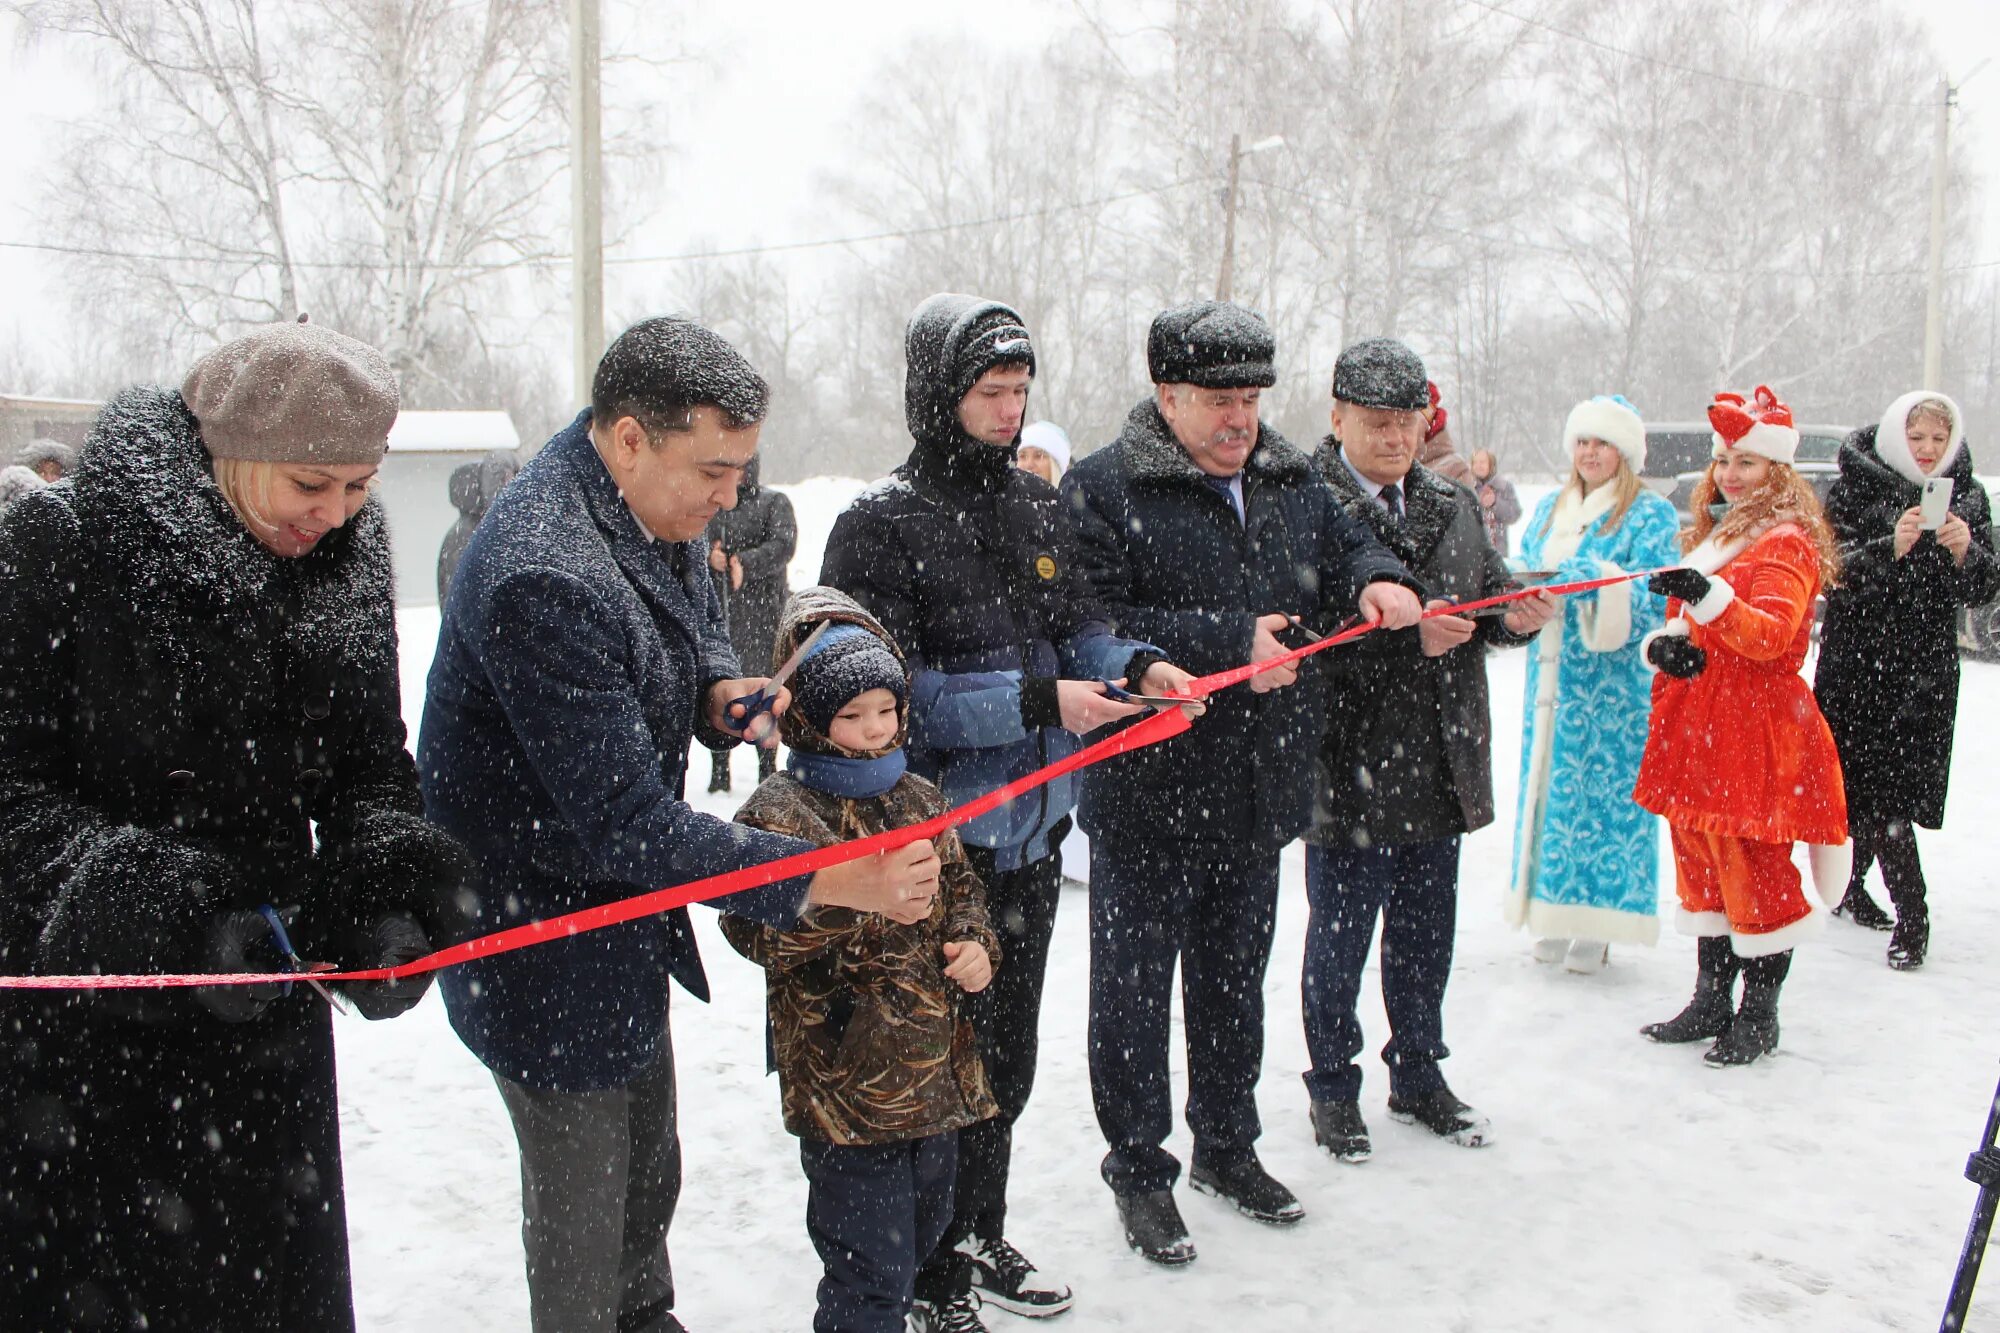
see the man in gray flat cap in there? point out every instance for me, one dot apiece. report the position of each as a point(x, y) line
point(1405, 766)
point(1205, 533)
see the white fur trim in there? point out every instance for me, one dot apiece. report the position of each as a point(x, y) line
point(1607, 623)
point(1572, 921)
point(1711, 555)
point(1713, 602)
point(1784, 937)
point(1704, 924)
point(1676, 627)
point(1780, 444)
point(1831, 868)
point(1612, 422)
point(1892, 445)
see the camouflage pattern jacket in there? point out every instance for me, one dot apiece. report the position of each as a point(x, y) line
point(871, 1039)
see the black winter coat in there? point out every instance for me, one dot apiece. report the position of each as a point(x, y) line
point(1888, 658)
point(1172, 564)
point(177, 708)
point(473, 489)
point(1408, 751)
point(761, 532)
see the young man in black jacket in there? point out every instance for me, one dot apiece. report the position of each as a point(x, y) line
point(969, 563)
point(1406, 763)
point(1206, 533)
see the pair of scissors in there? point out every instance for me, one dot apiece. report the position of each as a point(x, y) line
point(293, 963)
point(758, 721)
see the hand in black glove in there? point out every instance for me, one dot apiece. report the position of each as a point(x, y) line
point(395, 939)
point(239, 941)
point(1690, 585)
point(1675, 655)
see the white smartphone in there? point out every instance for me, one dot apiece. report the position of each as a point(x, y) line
point(1936, 502)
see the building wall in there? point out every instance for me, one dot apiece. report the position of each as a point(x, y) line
point(415, 493)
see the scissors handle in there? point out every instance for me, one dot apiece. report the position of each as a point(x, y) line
point(757, 720)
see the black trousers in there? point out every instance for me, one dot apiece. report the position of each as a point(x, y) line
point(1211, 908)
point(1893, 843)
point(1007, 1017)
point(872, 1210)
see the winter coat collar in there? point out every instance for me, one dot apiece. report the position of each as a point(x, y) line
point(1892, 446)
point(1156, 456)
point(1429, 502)
point(145, 492)
point(1575, 513)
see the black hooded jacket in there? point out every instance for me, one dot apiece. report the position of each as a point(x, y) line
point(1888, 659)
point(762, 533)
point(188, 724)
point(970, 564)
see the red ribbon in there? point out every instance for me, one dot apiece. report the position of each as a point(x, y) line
point(1147, 731)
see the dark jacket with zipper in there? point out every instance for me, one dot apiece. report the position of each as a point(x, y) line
point(1888, 656)
point(1167, 557)
point(871, 1040)
point(183, 715)
point(970, 565)
point(571, 667)
point(1408, 750)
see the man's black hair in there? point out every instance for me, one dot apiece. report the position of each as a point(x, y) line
point(661, 369)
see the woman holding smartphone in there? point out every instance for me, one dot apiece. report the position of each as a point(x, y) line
point(1738, 760)
point(1586, 858)
point(1888, 662)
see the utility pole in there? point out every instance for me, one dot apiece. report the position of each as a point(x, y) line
point(586, 194)
point(1237, 152)
point(1934, 289)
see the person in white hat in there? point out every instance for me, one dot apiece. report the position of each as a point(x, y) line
point(1044, 451)
point(1585, 856)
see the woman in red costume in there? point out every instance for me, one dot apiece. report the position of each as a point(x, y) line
point(1738, 760)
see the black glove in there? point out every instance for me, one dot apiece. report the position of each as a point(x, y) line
point(1690, 585)
point(239, 941)
point(1674, 655)
point(391, 861)
point(394, 940)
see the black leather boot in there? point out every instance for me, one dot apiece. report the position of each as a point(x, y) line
point(1862, 910)
point(1754, 1034)
point(1712, 1010)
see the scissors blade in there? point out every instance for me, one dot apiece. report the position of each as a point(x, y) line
point(784, 673)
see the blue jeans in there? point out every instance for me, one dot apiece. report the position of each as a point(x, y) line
point(1413, 888)
point(1210, 907)
point(874, 1211)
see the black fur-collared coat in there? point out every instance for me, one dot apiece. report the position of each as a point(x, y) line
point(179, 709)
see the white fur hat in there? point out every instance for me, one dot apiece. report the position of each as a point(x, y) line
point(1892, 446)
point(1051, 439)
point(1608, 417)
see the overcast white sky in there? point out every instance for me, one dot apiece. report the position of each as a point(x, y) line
point(753, 129)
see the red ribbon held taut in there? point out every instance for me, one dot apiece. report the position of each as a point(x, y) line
point(1147, 731)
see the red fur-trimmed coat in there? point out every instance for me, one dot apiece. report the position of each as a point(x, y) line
point(1741, 749)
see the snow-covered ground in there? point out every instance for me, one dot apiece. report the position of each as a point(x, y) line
point(1632, 1187)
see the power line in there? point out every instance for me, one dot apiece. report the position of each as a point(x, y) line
point(1676, 65)
point(686, 256)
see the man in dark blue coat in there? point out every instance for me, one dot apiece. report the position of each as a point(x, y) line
point(582, 648)
point(1205, 533)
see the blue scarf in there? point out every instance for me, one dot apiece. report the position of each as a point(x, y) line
point(844, 775)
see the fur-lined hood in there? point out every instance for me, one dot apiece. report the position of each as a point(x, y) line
point(803, 613)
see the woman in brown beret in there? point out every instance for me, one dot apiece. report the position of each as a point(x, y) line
point(202, 769)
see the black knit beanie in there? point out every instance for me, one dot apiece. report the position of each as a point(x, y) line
point(847, 663)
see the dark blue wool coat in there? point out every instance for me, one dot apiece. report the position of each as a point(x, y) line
point(571, 663)
point(1170, 562)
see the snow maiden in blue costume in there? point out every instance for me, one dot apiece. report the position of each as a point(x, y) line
point(1586, 858)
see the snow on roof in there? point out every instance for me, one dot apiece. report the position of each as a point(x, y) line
point(470, 432)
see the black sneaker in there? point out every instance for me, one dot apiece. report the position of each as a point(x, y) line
point(1250, 1189)
point(959, 1314)
point(1444, 1115)
point(1340, 1131)
point(1004, 1278)
point(1153, 1227)
point(1908, 944)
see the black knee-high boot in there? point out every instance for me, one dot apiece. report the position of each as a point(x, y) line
point(1904, 873)
point(1856, 904)
point(1755, 1031)
point(1712, 1010)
